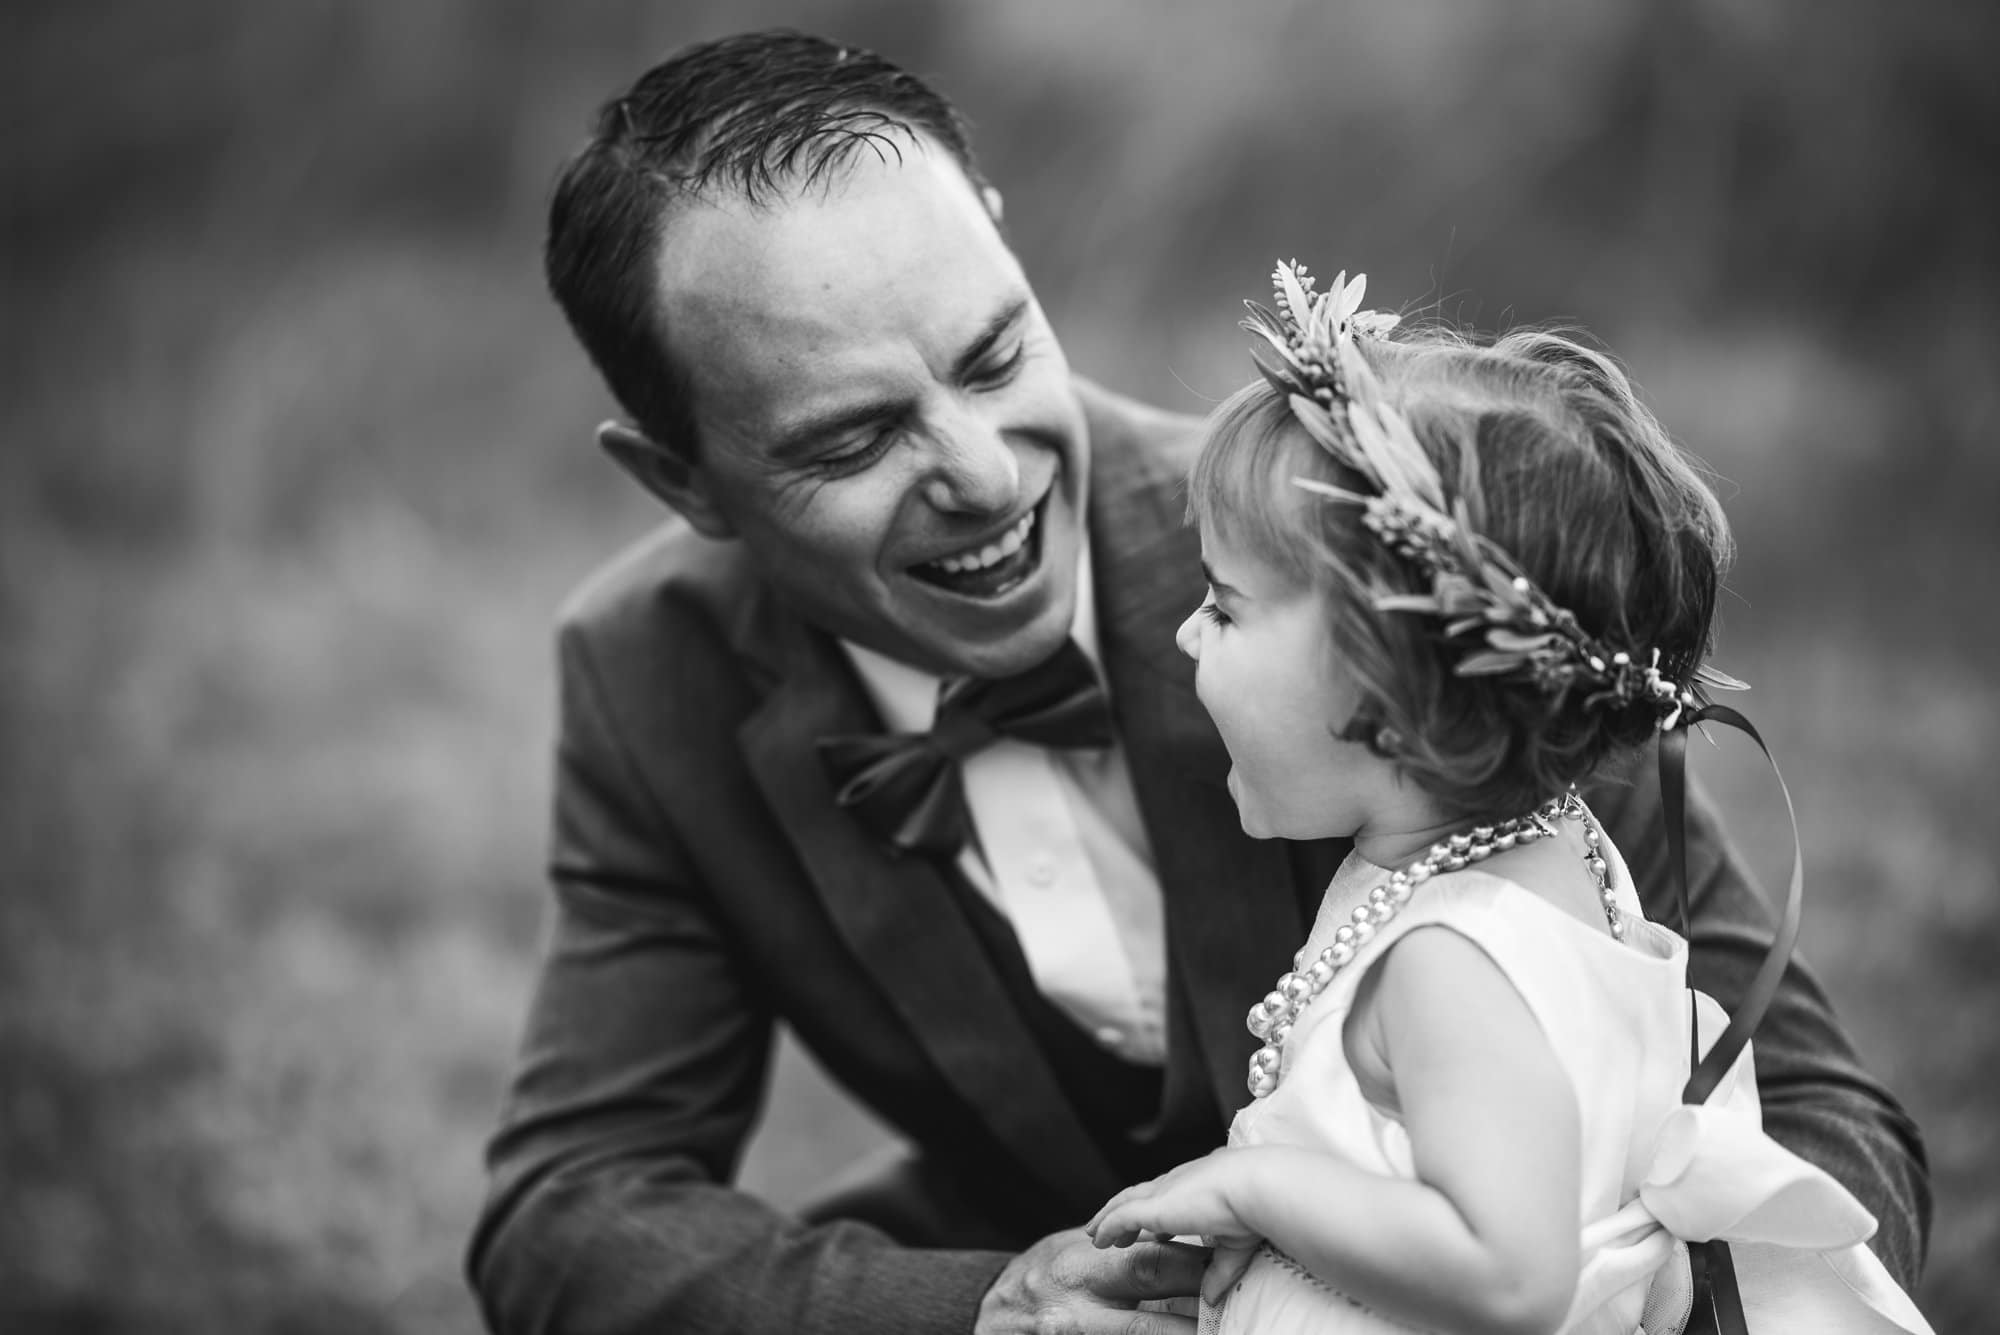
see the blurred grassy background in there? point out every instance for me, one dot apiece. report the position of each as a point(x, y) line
point(296, 466)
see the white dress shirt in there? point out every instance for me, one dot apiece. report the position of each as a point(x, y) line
point(1061, 852)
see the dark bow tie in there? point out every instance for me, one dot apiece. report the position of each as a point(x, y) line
point(907, 787)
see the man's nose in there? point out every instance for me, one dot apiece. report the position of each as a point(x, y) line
point(976, 471)
point(1188, 637)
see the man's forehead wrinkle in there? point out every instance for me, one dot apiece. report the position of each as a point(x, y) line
point(792, 271)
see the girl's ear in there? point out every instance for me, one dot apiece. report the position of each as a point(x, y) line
point(669, 474)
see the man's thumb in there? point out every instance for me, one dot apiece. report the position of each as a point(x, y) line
point(1225, 1267)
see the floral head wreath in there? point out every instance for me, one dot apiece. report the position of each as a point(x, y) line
point(1495, 618)
point(1498, 621)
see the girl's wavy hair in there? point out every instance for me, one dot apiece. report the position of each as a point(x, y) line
point(1559, 463)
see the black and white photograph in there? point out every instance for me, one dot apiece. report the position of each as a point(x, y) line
point(999, 668)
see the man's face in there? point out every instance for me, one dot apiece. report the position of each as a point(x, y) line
point(884, 417)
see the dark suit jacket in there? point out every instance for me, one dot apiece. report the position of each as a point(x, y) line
point(706, 886)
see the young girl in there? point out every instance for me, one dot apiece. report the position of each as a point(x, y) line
point(1446, 583)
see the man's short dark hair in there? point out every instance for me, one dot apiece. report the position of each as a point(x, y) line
point(759, 115)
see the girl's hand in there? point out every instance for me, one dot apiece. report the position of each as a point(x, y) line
point(1197, 1197)
point(1204, 1197)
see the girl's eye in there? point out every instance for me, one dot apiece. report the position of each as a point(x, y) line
point(1213, 611)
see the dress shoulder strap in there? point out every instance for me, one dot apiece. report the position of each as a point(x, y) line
point(1471, 903)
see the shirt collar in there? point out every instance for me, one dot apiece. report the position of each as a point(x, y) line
point(906, 697)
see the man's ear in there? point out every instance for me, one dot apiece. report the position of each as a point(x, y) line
point(668, 474)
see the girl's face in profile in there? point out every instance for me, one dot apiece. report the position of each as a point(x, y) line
point(1266, 671)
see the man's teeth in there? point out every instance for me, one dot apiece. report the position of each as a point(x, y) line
point(993, 552)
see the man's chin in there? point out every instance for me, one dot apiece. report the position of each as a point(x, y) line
point(1007, 649)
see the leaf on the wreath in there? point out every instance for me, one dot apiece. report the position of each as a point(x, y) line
point(1461, 533)
point(1500, 637)
point(1266, 326)
point(1274, 376)
point(1490, 663)
point(1720, 680)
point(1318, 423)
point(1331, 492)
point(1294, 293)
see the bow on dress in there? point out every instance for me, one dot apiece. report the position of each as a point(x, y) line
point(1797, 1236)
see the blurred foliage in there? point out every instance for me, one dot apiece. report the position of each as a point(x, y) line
point(296, 467)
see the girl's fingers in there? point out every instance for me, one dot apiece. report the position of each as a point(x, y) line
point(1119, 1202)
point(1116, 1226)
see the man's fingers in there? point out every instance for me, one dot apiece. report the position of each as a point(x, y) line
point(1149, 1323)
point(1149, 1270)
point(1063, 1283)
point(1224, 1269)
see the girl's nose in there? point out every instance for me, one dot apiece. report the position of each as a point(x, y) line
point(1188, 637)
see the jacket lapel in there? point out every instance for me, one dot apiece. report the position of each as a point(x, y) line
point(1231, 908)
point(899, 916)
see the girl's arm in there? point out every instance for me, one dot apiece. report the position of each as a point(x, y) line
point(1486, 1238)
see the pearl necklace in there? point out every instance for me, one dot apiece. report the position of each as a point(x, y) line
point(1272, 1018)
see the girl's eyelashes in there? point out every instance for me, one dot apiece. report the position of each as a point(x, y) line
point(1213, 611)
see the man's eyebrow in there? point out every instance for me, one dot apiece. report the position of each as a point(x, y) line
point(976, 351)
point(1222, 588)
point(798, 437)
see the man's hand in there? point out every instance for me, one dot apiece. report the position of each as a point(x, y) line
point(1064, 1286)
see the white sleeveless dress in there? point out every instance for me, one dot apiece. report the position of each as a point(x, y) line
point(1655, 1172)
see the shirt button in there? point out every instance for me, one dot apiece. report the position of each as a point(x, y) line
point(1042, 872)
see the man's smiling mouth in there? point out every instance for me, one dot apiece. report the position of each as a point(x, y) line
point(993, 567)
